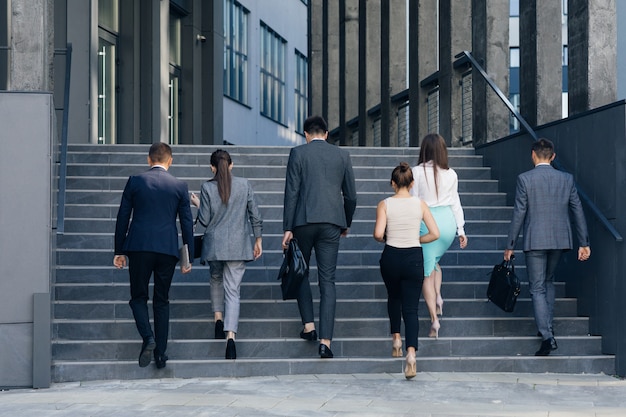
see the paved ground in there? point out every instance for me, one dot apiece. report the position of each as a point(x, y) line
point(429, 394)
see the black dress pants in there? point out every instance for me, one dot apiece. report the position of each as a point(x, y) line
point(141, 266)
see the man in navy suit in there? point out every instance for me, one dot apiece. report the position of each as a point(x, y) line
point(320, 199)
point(543, 200)
point(154, 199)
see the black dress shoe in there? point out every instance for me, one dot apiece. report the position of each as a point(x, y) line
point(160, 361)
point(325, 351)
point(231, 351)
point(219, 330)
point(540, 335)
point(145, 356)
point(311, 336)
point(547, 346)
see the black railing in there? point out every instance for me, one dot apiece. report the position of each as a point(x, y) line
point(63, 149)
point(583, 196)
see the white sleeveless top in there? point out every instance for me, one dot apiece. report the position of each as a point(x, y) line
point(404, 217)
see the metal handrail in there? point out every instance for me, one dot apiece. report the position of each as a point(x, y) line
point(63, 150)
point(583, 196)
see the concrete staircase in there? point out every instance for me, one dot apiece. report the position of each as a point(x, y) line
point(94, 336)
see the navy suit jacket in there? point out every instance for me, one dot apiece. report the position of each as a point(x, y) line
point(319, 187)
point(154, 199)
point(543, 200)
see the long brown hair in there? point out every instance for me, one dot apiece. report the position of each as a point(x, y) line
point(433, 148)
point(221, 161)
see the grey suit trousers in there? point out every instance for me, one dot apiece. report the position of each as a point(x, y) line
point(540, 266)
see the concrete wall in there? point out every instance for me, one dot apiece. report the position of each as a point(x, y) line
point(591, 146)
point(25, 221)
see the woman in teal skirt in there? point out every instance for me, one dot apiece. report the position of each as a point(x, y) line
point(437, 185)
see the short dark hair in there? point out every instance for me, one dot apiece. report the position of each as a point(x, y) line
point(402, 175)
point(315, 125)
point(160, 152)
point(543, 148)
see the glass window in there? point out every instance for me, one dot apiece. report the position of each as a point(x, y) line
point(272, 74)
point(514, 7)
point(108, 15)
point(173, 116)
point(301, 91)
point(106, 88)
point(236, 51)
point(514, 57)
point(108, 26)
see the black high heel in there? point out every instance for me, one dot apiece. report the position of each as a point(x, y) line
point(231, 351)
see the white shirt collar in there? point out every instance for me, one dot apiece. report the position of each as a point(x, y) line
point(158, 166)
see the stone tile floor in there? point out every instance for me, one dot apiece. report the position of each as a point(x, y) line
point(428, 395)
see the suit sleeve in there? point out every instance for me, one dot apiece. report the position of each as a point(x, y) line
point(519, 213)
point(348, 189)
point(123, 217)
point(579, 216)
point(292, 189)
point(253, 213)
point(186, 219)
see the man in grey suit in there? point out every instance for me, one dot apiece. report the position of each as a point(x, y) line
point(320, 199)
point(543, 199)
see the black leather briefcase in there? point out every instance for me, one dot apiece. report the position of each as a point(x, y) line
point(504, 286)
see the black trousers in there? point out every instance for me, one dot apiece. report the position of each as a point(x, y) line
point(324, 239)
point(402, 270)
point(141, 266)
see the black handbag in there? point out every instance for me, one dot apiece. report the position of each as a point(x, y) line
point(293, 271)
point(504, 286)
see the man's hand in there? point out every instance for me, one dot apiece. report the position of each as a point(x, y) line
point(119, 261)
point(584, 252)
point(286, 238)
point(185, 270)
point(507, 254)
point(344, 232)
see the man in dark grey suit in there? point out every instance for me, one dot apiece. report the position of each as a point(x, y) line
point(320, 199)
point(150, 241)
point(543, 199)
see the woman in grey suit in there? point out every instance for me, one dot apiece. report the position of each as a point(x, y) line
point(228, 211)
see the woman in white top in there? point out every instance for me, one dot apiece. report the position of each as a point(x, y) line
point(398, 221)
point(437, 185)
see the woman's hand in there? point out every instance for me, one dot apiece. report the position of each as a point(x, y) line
point(194, 200)
point(463, 241)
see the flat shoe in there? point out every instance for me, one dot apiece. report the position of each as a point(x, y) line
point(310, 336)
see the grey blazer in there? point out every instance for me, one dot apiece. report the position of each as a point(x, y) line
point(543, 200)
point(227, 234)
point(319, 187)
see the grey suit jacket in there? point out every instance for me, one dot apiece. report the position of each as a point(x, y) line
point(543, 201)
point(227, 234)
point(319, 187)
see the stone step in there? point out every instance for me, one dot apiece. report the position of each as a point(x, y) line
point(103, 292)
point(365, 347)
point(67, 371)
point(276, 307)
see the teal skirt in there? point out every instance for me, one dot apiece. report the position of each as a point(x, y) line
point(433, 251)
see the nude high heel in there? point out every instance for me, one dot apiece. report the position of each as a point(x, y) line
point(434, 329)
point(396, 350)
point(439, 306)
point(410, 370)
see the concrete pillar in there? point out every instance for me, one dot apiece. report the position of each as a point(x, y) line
point(363, 71)
point(333, 25)
point(427, 55)
point(316, 36)
point(351, 96)
point(213, 72)
point(592, 62)
point(455, 36)
point(192, 52)
point(397, 59)
point(541, 75)
point(372, 59)
point(385, 93)
point(32, 45)
point(490, 47)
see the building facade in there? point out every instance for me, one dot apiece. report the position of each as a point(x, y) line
point(385, 73)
